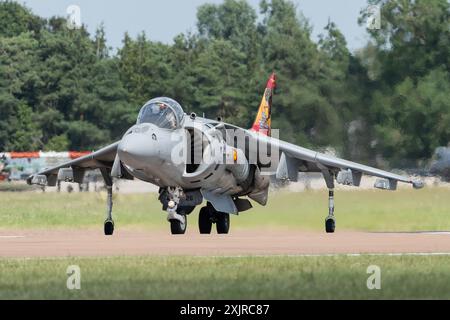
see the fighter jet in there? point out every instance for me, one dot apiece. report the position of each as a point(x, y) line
point(194, 160)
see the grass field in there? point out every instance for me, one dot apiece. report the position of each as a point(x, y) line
point(228, 278)
point(404, 210)
point(154, 277)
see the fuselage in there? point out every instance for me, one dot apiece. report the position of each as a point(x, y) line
point(191, 153)
point(159, 155)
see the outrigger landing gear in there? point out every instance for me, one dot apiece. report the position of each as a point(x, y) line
point(330, 221)
point(177, 219)
point(109, 222)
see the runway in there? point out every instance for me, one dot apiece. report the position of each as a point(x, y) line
point(92, 243)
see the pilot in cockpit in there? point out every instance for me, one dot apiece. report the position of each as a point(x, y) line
point(165, 113)
point(160, 114)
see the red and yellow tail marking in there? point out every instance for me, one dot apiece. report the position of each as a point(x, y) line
point(263, 122)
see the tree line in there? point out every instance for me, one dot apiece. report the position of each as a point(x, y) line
point(387, 103)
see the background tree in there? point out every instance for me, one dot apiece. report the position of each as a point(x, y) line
point(16, 19)
point(386, 104)
point(408, 60)
point(18, 81)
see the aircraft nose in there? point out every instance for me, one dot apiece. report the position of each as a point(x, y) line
point(137, 150)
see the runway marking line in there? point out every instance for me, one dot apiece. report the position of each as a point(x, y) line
point(411, 254)
point(11, 237)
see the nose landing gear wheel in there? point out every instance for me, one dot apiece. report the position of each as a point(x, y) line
point(177, 227)
point(223, 223)
point(109, 227)
point(204, 221)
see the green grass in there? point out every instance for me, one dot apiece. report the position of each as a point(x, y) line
point(404, 210)
point(16, 187)
point(417, 277)
point(228, 278)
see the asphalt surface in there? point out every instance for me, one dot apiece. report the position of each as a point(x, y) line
point(92, 243)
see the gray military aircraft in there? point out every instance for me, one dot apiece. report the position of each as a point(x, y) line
point(193, 159)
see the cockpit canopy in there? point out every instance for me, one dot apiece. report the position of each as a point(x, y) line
point(163, 112)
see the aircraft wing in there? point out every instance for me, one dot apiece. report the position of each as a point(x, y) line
point(294, 159)
point(103, 158)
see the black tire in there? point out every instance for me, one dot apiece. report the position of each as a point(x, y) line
point(109, 228)
point(204, 221)
point(223, 223)
point(177, 227)
point(330, 225)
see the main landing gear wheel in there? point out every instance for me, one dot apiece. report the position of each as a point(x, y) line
point(222, 223)
point(109, 227)
point(178, 227)
point(208, 215)
point(330, 225)
point(204, 221)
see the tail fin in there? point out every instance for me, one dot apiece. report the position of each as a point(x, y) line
point(263, 120)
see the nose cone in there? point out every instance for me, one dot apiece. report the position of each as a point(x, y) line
point(138, 150)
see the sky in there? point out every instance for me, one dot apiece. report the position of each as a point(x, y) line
point(162, 20)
